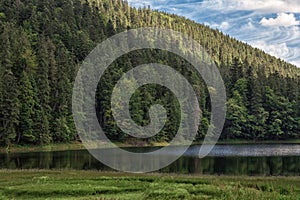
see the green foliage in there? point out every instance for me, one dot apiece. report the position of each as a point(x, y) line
point(95, 185)
point(27, 110)
point(9, 116)
point(237, 116)
point(44, 42)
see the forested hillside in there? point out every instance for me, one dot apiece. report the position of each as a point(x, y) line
point(43, 43)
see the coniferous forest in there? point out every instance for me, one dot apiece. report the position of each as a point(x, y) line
point(43, 43)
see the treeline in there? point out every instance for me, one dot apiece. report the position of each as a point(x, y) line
point(43, 43)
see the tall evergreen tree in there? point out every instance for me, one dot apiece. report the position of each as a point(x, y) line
point(44, 42)
point(26, 97)
point(9, 108)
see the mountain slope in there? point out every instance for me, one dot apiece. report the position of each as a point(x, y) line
point(43, 43)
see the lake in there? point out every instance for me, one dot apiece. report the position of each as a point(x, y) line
point(266, 160)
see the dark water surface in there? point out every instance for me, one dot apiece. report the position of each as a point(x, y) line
point(223, 160)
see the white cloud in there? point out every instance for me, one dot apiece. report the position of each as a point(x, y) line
point(282, 19)
point(246, 20)
point(248, 26)
point(297, 63)
point(265, 6)
point(282, 51)
point(277, 50)
point(281, 42)
point(224, 26)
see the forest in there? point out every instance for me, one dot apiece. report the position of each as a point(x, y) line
point(43, 43)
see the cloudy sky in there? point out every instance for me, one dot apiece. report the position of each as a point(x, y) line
point(271, 25)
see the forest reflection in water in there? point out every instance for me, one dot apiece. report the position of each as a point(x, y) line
point(223, 160)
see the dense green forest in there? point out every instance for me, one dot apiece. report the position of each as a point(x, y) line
point(43, 43)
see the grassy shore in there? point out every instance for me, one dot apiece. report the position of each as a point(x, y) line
point(41, 148)
point(36, 184)
point(63, 147)
point(78, 145)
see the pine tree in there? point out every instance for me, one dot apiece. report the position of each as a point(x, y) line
point(26, 97)
point(237, 117)
point(40, 118)
point(9, 105)
point(9, 108)
point(44, 42)
point(61, 110)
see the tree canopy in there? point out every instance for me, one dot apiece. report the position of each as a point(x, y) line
point(43, 43)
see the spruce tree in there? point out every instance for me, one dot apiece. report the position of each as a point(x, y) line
point(27, 105)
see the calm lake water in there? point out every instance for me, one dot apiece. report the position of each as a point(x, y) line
point(223, 160)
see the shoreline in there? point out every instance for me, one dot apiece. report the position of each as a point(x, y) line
point(80, 146)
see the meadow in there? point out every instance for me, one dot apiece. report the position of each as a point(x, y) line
point(68, 184)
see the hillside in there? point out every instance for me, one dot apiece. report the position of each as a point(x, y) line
point(43, 43)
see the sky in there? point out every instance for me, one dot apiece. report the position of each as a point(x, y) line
point(270, 25)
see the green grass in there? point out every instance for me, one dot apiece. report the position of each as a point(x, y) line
point(35, 184)
point(42, 148)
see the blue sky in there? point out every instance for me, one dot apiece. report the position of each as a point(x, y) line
point(271, 25)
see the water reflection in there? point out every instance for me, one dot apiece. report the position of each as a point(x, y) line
point(215, 164)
